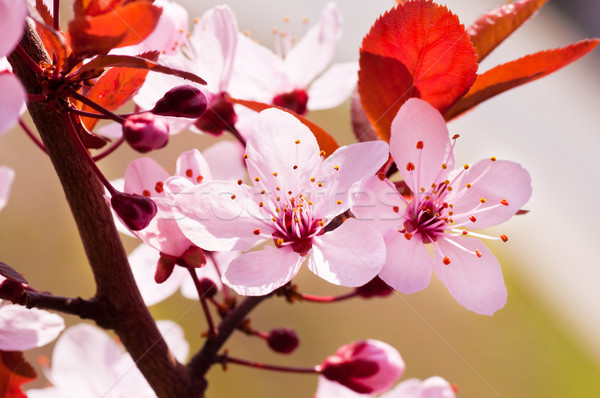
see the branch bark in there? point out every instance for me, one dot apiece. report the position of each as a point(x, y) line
point(122, 307)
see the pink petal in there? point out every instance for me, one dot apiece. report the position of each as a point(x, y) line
point(13, 14)
point(226, 160)
point(346, 166)
point(408, 264)
point(12, 99)
point(331, 389)
point(311, 55)
point(433, 387)
point(214, 41)
point(350, 255)
point(495, 181)
point(333, 87)
point(282, 152)
point(142, 175)
point(7, 176)
point(476, 283)
point(378, 202)
point(219, 216)
point(193, 166)
point(260, 272)
point(174, 336)
point(143, 262)
point(258, 72)
point(418, 121)
point(23, 329)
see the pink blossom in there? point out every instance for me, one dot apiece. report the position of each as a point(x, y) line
point(22, 328)
point(88, 363)
point(295, 194)
point(294, 76)
point(7, 176)
point(447, 205)
point(433, 387)
point(367, 366)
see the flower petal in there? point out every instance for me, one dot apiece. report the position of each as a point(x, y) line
point(174, 336)
point(433, 387)
point(378, 202)
point(193, 166)
point(143, 174)
point(143, 262)
point(333, 87)
point(260, 272)
point(476, 283)
point(282, 152)
point(309, 57)
point(408, 264)
point(418, 121)
point(7, 176)
point(495, 181)
point(22, 328)
point(11, 29)
point(226, 160)
point(350, 255)
point(219, 216)
point(328, 389)
point(12, 99)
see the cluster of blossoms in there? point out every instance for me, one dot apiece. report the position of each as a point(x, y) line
point(244, 215)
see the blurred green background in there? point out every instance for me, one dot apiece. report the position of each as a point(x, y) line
point(531, 348)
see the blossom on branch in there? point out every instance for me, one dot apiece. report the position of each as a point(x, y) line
point(447, 205)
point(296, 193)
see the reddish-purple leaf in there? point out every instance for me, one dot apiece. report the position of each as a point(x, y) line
point(418, 49)
point(14, 372)
point(9, 273)
point(523, 70)
point(489, 30)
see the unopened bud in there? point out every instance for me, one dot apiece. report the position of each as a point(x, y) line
point(11, 290)
point(164, 268)
point(135, 211)
point(219, 116)
point(283, 340)
point(146, 131)
point(193, 257)
point(375, 287)
point(207, 288)
point(181, 101)
point(367, 366)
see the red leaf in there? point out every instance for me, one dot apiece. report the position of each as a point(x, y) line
point(14, 372)
point(419, 49)
point(523, 70)
point(8, 272)
point(99, 26)
point(489, 30)
point(127, 61)
point(326, 142)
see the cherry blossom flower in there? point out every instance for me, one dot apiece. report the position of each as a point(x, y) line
point(12, 97)
point(295, 194)
point(22, 328)
point(87, 363)
point(366, 366)
point(294, 76)
point(447, 205)
point(433, 387)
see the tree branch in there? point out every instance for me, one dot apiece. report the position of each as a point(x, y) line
point(117, 292)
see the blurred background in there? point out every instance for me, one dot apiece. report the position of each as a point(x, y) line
point(544, 343)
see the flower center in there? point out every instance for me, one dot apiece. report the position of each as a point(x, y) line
point(426, 217)
point(295, 101)
point(295, 225)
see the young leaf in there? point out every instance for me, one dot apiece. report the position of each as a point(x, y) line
point(326, 142)
point(523, 70)
point(98, 28)
point(489, 30)
point(127, 61)
point(14, 372)
point(9, 273)
point(418, 49)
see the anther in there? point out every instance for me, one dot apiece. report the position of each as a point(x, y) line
point(468, 185)
point(274, 174)
point(446, 260)
point(320, 185)
point(312, 179)
point(482, 200)
point(262, 191)
point(381, 176)
point(466, 166)
point(322, 153)
point(321, 223)
point(444, 166)
point(279, 242)
point(146, 193)
point(504, 238)
point(245, 156)
point(408, 235)
point(465, 232)
point(472, 218)
point(189, 173)
point(410, 166)
point(159, 187)
point(493, 158)
point(455, 136)
point(336, 168)
point(339, 202)
point(396, 209)
point(256, 231)
point(239, 182)
point(232, 197)
point(504, 202)
point(261, 204)
point(199, 179)
point(478, 252)
point(297, 141)
point(420, 145)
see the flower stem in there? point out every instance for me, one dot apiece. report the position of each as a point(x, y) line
point(28, 60)
point(101, 109)
point(226, 359)
point(212, 330)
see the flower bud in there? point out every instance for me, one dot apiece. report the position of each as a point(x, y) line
point(283, 340)
point(164, 268)
point(181, 101)
point(135, 211)
point(11, 290)
point(207, 288)
point(220, 116)
point(146, 131)
point(375, 287)
point(193, 257)
point(367, 366)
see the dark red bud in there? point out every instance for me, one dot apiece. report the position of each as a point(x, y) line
point(295, 101)
point(207, 288)
point(219, 116)
point(182, 101)
point(11, 290)
point(283, 340)
point(347, 373)
point(134, 210)
point(193, 257)
point(146, 131)
point(375, 287)
point(164, 268)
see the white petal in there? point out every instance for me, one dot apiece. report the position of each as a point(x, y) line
point(12, 98)
point(333, 87)
point(22, 328)
point(175, 338)
point(13, 14)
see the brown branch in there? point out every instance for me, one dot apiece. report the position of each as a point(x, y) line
point(122, 306)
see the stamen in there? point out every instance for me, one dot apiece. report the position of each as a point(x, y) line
point(420, 145)
point(256, 231)
point(446, 260)
point(189, 173)
point(478, 253)
point(504, 238)
point(504, 202)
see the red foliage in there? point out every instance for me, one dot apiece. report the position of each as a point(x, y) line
point(14, 372)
